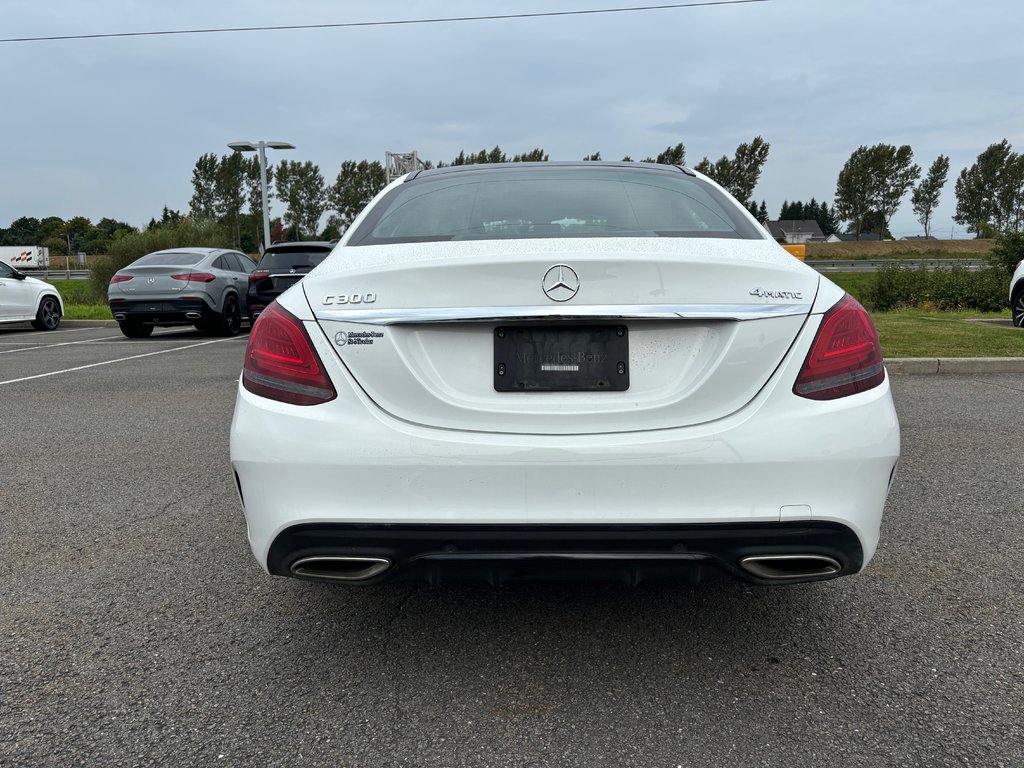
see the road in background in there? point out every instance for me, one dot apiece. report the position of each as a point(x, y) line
point(136, 628)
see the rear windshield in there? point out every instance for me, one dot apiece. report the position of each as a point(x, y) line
point(557, 202)
point(169, 259)
point(292, 259)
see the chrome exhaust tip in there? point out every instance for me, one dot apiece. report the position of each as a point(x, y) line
point(783, 567)
point(119, 316)
point(193, 315)
point(340, 568)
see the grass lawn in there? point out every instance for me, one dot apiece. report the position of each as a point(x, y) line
point(87, 312)
point(917, 333)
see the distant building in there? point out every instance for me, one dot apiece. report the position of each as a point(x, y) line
point(919, 237)
point(852, 238)
point(796, 231)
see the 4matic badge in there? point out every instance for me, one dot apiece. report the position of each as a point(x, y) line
point(764, 293)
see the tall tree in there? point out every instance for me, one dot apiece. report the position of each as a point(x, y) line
point(355, 186)
point(594, 157)
point(739, 174)
point(203, 205)
point(537, 155)
point(301, 187)
point(926, 194)
point(854, 193)
point(875, 180)
point(671, 156)
point(990, 193)
point(230, 191)
point(894, 175)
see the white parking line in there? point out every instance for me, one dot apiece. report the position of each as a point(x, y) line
point(60, 344)
point(69, 343)
point(58, 331)
point(118, 360)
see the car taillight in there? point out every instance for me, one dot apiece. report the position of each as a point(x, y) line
point(120, 279)
point(254, 276)
point(845, 357)
point(281, 364)
point(196, 277)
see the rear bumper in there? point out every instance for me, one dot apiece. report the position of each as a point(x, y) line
point(626, 553)
point(174, 312)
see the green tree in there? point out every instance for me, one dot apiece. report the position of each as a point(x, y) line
point(875, 180)
point(925, 198)
point(203, 205)
point(594, 157)
point(230, 193)
point(355, 186)
point(990, 193)
point(894, 175)
point(301, 187)
point(854, 193)
point(739, 174)
point(537, 155)
point(23, 231)
point(670, 156)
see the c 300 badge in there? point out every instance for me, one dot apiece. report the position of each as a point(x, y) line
point(349, 298)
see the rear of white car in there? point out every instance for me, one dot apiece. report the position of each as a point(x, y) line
point(590, 395)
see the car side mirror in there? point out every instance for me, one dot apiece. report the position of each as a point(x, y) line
point(18, 275)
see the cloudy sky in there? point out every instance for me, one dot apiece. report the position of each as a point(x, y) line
point(112, 127)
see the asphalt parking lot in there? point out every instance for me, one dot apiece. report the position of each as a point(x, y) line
point(136, 629)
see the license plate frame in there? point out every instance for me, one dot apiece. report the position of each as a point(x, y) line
point(561, 358)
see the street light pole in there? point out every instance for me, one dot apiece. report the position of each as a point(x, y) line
point(261, 147)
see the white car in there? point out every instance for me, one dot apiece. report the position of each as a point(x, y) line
point(1017, 295)
point(603, 370)
point(24, 298)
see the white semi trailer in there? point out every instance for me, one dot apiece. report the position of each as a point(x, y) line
point(25, 256)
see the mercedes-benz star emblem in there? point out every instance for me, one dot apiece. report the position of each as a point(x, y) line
point(560, 283)
point(341, 338)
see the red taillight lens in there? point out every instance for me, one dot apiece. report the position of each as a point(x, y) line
point(845, 357)
point(254, 276)
point(281, 364)
point(120, 279)
point(196, 277)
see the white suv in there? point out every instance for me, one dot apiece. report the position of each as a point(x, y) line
point(1017, 295)
point(24, 298)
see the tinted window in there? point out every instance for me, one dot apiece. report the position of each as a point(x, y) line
point(6, 270)
point(555, 202)
point(248, 265)
point(169, 259)
point(221, 263)
point(287, 258)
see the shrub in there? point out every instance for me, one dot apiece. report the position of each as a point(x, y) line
point(125, 250)
point(1007, 252)
point(943, 289)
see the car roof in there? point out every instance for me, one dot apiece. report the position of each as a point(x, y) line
point(548, 164)
point(303, 244)
point(197, 251)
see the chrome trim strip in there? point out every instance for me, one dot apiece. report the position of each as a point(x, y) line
point(563, 312)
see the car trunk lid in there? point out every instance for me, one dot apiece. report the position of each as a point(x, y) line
point(700, 326)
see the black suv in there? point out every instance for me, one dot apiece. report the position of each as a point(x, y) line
point(282, 266)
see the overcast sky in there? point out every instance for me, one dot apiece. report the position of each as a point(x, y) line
point(112, 127)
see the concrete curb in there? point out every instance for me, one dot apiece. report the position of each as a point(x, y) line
point(928, 365)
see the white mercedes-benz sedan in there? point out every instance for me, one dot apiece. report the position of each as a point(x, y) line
point(557, 370)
